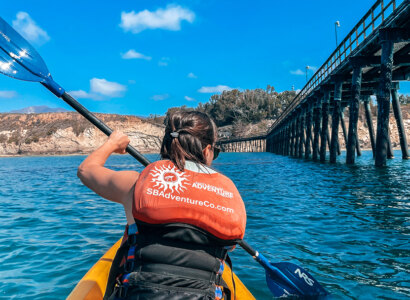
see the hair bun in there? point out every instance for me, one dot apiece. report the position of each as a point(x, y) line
point(186, 135)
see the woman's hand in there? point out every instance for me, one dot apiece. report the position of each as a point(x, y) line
point(119, 141)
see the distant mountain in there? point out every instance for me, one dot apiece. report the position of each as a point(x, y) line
point(38, 110)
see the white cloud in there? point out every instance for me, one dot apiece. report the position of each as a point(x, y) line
point(80, 94)
point(187, 98)
point(192, 75)
point(214, 89)
point(297, 72)
point(132, 54)
point(160, 97)
point(101, 89)
point(26, 26)
point(169, 18)
point(313, 68)
point(8, 94)
point(107, 88)
point(164, 61)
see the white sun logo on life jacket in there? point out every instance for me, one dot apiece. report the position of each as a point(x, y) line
point(169, 178)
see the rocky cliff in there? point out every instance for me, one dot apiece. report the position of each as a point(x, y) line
point(70, 133)
point(363, 130)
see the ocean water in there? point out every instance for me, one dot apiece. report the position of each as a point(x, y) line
point(348, 225)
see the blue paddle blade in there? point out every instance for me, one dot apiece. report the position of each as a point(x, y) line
point(18, 59)
point(280, 288)
point(286, 279)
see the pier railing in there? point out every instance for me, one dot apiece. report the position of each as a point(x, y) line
point(364, 28)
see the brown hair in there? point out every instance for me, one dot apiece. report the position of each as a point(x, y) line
point(192, 132)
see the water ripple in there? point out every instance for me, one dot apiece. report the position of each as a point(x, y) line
point(348, 225)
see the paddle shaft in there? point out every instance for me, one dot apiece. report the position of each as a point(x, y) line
point(102, 126)
point(245, 246)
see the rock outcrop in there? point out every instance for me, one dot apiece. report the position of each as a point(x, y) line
point(70, 133)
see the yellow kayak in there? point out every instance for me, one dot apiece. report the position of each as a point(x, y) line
point(92, 286)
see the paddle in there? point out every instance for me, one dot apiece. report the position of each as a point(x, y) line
point(19, 60)
point(285, 279)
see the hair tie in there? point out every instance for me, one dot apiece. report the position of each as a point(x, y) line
point(174, 134)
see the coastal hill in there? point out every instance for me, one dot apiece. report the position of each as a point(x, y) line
point(65, 133)
point(70, 133)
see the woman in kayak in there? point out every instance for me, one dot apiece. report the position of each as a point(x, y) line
point(182, 215)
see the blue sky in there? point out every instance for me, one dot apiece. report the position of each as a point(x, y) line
point(141, 57)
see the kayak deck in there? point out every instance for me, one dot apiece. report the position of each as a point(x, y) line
point(92, 286)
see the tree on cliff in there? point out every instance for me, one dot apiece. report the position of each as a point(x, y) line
point(248, 106)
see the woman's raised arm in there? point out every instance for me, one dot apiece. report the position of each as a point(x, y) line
point(116, 186)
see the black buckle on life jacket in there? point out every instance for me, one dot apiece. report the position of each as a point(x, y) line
point(120, 289)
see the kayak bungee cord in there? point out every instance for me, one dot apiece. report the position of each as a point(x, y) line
point(19, 60)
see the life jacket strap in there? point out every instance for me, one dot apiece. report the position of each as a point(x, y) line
point(176, 270)
point(218, 293)
point(133, 264)
point(219, 252)
point(132, 235)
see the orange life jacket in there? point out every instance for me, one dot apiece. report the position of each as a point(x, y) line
point(164, 194)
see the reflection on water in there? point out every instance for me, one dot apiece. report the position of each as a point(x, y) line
point(348, 225)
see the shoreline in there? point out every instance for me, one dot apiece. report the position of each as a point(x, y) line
point(67, 154)
point(142, 152)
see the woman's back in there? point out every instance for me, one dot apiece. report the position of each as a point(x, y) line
point(197, 196)
point(188, 215)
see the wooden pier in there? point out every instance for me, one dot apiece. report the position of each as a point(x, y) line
point(372, 60)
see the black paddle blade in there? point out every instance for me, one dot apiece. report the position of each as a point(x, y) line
point(287, 279)
point(18, 59)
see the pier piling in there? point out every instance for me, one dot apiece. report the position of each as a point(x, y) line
point(309, 117)
point(354, 111)
point(366, 102)
point(399, 121)
point(302, 133)
point(383, 100)
point(325, 120)
point(337, 98)
point(317, 119)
